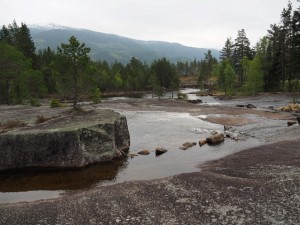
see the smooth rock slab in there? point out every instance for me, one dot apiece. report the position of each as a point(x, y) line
point(72, 141)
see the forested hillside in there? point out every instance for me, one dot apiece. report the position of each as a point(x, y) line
point(69, 69)
point(111, 48)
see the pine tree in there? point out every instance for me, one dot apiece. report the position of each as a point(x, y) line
point(295, 63)
point(227, 50)
point(276, 71)
point(5, 35)
point(24, 42)
point(74, 58)
point(13, 64)
point(241, 49)
point(286, 45)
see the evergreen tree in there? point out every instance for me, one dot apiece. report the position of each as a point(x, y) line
point(295, 62)
point(74, 57)
point(45, 60)
point(24, 42)
point(276, 71)
point(286, 45)
point(12, 64)
point(5, 35)
point(241, 49)
point(206, 69)
point(227, 50)
point(165, 72)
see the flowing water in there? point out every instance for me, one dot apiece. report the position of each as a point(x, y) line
point(148, 130)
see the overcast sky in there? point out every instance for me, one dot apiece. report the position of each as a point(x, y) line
point(197, 23)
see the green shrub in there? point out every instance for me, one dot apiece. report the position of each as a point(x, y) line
point(35, 102)
point(54, 103)
point(41, 119)
point(96, 97)
point(13, 123)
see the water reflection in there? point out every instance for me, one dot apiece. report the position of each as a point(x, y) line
point(34, 184)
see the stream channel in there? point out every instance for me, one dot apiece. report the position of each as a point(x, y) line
point(148, 130)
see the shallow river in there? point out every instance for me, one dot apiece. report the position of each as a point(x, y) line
point(148, 130)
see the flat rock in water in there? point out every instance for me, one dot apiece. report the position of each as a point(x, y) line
point(187, 145)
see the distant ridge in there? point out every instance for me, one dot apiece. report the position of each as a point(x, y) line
point(111, 47)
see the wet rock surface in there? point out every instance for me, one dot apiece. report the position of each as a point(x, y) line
point(75, 140)
point(233, 190)
point(160, 151)
point(215, 139)
point(144, 152)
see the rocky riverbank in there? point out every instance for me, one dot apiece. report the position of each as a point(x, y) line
point(256, 186)
point(234, 190)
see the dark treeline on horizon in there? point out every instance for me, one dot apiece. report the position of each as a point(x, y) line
point(68, 72)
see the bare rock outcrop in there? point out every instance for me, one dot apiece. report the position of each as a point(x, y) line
point(71, 142)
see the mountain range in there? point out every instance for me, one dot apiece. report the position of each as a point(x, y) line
point(111, 47)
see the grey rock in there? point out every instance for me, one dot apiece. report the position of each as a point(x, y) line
point(202, 142)
point(75, 142)
point(215, 139)
point(291, 123)
point(144, 152)
point(250, 106)
point(187, 145)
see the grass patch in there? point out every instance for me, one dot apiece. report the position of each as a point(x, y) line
point(54, 103)
point(11, 124)
point(43, 119)
point(35, 102)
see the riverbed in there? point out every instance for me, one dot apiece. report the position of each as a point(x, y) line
point(160, 123)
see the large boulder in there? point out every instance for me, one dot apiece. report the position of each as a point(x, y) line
point(70, 142)
point(215, 139)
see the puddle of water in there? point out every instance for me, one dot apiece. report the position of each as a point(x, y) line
point(148, 130)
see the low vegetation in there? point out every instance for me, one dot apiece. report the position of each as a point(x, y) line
point(54, 103)
point(11, 124)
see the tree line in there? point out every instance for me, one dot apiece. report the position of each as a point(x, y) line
point(272, 65)
point(69, 72)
